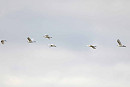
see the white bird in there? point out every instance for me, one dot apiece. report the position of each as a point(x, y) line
point(120, 44)
point(94, 47)
point(30, 40)
point(47, 36)
point(52, 45)
point(3, 41)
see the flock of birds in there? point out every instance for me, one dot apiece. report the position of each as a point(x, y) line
point(118, 41)
point(53, 45)
point(46, 36)
point(32, 41)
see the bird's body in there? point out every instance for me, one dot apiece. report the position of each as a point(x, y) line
point(47, 36)
point(30, 40)
point(120, 44)
point(94, 47)
point(52, 45)
point(3, 41)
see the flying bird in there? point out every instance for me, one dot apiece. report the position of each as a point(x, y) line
point(94, 47)
point(52, 45)
point(47, 36)
point(30, 40)
point(120, 44)
point(3, 41)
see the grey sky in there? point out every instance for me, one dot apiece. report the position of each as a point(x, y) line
point(72, 24)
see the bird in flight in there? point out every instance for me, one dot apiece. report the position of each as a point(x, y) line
point(47, 36)
point(52, 45)
point(94, 47)
point(30, 40)
point(120, 44)
point(3, 41)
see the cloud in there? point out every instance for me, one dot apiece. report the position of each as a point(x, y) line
point(92, 76)
point(37, 65)
point(76, 8)
point(103, 16)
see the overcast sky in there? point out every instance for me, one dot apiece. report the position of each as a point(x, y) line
point(72, 24)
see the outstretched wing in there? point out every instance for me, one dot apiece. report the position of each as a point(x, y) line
point(119, 42)
point(46, 35)
point(29, 39)
point(94, 47)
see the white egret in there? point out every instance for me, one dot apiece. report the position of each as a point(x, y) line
point(94, 47)
point(120, 44)
point(30, 40)
point(47, 36)
point(52, 45)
